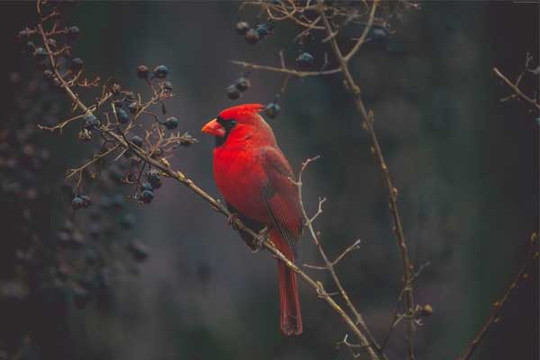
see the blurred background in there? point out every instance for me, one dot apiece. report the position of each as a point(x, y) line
point(465, 164)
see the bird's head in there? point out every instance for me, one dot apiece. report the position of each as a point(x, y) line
point(239, 123)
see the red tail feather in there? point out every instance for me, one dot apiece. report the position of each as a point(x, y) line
point(289, 302)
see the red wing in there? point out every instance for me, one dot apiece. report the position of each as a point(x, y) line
point(281, 195)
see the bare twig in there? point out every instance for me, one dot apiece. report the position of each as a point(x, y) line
point(493, 317)
point(353, 348)
point(287, 71)
point(363, 37)
point(371, 344)
point(517, 91)
point(354, 90)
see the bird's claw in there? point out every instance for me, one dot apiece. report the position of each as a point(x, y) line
point(259, 240)
point(232, 219)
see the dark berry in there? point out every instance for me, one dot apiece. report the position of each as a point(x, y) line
point(77, 203)
point(154, 179)
point(73, 32)
point(123, 117)
point(378, 34)
point(77, 64)
point(263, 30)
point(232, 92)
point(139, 250)
point(242, 83)
point(133, 107)
point(80, 202)
point(167, 86)
point(147, 196)
point(137, 140)
point(272, 110)
point(40, 54)
point(90, 121)
point(143, 72)
point(171, 123)
point(30, 47)
point(251, 36)
point(146, 186)
point(242, 27)
point(161, 71)
point(305, 60)
point(86, 201)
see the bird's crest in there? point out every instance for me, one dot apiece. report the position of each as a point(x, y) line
point(240, 111)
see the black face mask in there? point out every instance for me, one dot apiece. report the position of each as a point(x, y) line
point(228, 125)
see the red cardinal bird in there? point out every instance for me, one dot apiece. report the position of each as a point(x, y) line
point(254, 177)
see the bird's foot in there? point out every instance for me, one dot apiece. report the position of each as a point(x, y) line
point(259, 240)
point(232, 219)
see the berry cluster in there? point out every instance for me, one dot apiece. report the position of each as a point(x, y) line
point(239, 86)
point(341, 15)
point(126, 133)
point(82, 253)
point(254, 35)
point(121, 125)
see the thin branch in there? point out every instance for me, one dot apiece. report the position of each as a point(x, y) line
point(352, 347)
point(371, 343)
point(297, 73)
point(532, 253)
point(408, 270)
point(516, 89)
point(353, 247)
point(363, 37)
point(61, 125)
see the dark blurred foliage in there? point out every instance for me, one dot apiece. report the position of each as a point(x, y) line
point(465, 165)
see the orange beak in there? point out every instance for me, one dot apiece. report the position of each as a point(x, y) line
point(213, 128)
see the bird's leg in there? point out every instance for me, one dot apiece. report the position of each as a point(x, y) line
point(259, 240)
point(232, 219)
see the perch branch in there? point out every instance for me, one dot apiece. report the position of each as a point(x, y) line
point(215, 204)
